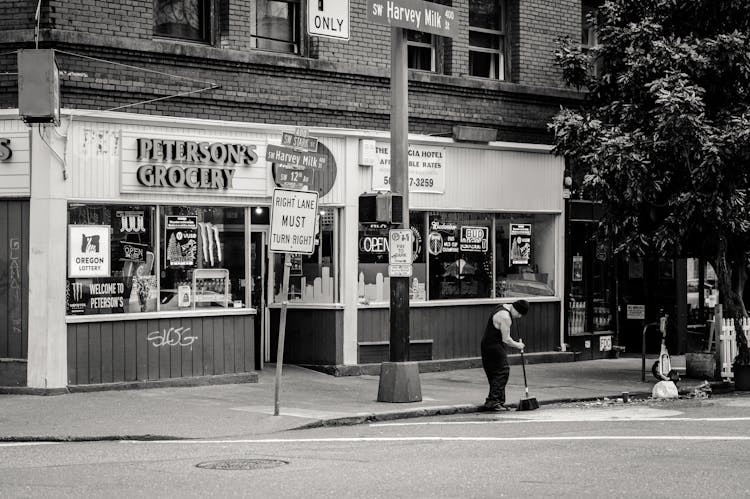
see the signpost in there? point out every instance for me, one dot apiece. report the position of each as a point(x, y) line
point(399, 380)
point(292, 231)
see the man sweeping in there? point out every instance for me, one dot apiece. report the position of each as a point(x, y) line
point(494, 357)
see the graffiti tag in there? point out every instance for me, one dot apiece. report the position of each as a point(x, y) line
point(173, 337)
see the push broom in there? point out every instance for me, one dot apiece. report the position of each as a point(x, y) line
point(528, 403)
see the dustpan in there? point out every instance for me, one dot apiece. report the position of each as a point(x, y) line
point(528, 403)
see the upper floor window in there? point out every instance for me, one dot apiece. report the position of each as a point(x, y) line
point(487, 39)
point(421, 50)
point(588, 31)
point(183, 19)
point(278, 25)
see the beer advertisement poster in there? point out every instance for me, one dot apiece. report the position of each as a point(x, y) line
point(520, 244)
point(89, 252)
point(181, 235)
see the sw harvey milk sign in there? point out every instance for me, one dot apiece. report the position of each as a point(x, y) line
point(416, 15)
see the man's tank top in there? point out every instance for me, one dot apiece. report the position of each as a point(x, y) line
point(492, 335)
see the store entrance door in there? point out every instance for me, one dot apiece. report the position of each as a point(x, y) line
point(259, 274)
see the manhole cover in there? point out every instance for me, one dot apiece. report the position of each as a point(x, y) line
point(241, 464)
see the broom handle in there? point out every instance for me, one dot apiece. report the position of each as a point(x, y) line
point(523, 366)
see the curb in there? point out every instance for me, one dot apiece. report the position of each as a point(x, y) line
point(193, 381)
point(720, 388)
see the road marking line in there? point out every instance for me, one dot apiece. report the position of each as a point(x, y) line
point(442, 439)
point(26, 444)
point(562, 420)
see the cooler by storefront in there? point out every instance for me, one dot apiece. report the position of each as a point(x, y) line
point(149, 240)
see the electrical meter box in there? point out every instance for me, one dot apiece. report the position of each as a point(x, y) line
point(38, 87)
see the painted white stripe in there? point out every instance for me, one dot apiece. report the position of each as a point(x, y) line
point(562, 420)
point(26, 444)
point(442, 439)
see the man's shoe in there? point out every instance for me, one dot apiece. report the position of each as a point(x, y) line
point(495, 408)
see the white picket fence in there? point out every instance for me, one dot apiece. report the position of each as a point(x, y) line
point(728, 344)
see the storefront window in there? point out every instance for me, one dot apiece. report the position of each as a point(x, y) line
point(203, 257)
point(111, 259)
point(525, 255)
point(373, 281)
point(460, 255)
point(113, 267)
point(312, 278)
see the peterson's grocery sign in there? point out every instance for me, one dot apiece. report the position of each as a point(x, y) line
point(176, 164)
point(182, 163)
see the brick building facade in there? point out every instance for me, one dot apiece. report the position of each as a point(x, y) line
point(338, 83)
point(200, 80)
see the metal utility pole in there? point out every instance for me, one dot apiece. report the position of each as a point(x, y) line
point(399, 310)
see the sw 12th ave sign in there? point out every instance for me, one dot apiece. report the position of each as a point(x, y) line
point(416, 15)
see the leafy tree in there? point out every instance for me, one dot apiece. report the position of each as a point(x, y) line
point(663, 135)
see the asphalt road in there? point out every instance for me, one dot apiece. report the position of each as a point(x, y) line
point(685, 448)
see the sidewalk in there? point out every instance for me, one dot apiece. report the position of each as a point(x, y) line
point(308, 398)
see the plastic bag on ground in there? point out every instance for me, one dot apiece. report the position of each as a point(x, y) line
point(665, 390)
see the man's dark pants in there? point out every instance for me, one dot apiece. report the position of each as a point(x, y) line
point(497, 369)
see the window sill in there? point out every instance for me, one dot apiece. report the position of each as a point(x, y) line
point(301, 305)
point(468, 301)
point(171, 314)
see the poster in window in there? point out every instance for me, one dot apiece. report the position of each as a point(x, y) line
point(474, 239)
point(520, 244)
point(181, 237)
point(89, 251)
point(105, 296)
point(577, 268)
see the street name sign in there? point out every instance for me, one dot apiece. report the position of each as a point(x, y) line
point(416, 15)
point(289, 156)
point(299, 142)
point(329, 18)
point(293, 221)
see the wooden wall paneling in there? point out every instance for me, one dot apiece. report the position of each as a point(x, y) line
point(199, 345)
point(14, 279)
point(141, 345)
point(72, 355)
point(248, 332)
point(95, 353)
point(118, 351)
point(170, 356)
point(25, 280)
point(238, 351)
point(229, 344)
point(152, 353)
point(4, 280)
point(130, 338)
point(107, 353)
point(82, 354)
point(185, 365)
point(208, 346)
point(218, 328)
